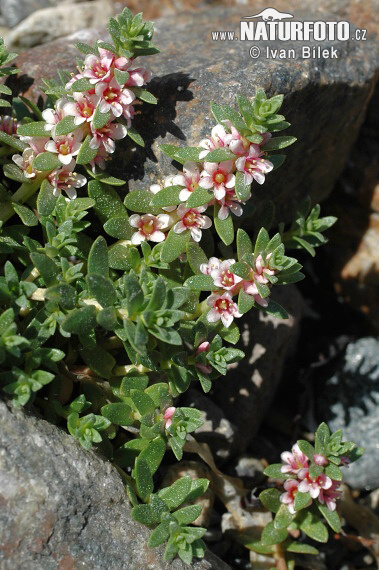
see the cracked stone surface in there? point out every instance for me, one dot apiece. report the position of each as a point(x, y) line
point(64, 508)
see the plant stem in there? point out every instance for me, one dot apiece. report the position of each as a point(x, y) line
point(280, 560)
point(26, 190)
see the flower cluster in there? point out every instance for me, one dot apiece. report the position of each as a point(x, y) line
point(102, 111)
point(320, 487)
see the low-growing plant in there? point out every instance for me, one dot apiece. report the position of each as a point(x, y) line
point(112, 303)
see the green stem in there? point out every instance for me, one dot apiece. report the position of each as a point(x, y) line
point(26, 190)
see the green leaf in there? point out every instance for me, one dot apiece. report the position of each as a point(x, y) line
point(272, 535)
point(333, 472)
point(283, 517)
point(121, 76)
point(196, 257)
point(99, 360)
point(274, 471)
point(13, 172)
point(12, 141)
point(80, 321)
point(100, 119)
point(140, 201)
point(306, 448)
point(302, 500)
point(118, 413)
point(188, 514)
point(159, 535)
point(133, 293)
point(86, 153)
point(142, 402)
point(301, 548)
point(244, 245)
point(145, 95)
point(246, 109)
point(107, 201)
point(277, 160)
point(200, 283)
point(277, 143)
point(241, 269)
point(46, 161)
point(102, 289)
point(46, 200)
point(270, 499)
point(27, 216)
point(153, 453)
point(224, 228)
point(144, 480)
point(242, 189)
point(174, 245)
point(81, 85)
point(168, 196)
point(111, 180)
point(261, 242)
point(182, 155)
point(119, 227)
point(145, 514)
point(231, 334)
point(177, 493)
point(331, 517)
point(63, 294)
point(220, 155)
point(135, 136)
point(47, 268)
point(98, 257)
point(199, 197)
point(313, 527)
point(65, 126)
point(276, 310)
point(36, 129)
point(245, 302)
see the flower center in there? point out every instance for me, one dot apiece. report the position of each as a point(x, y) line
point(223, 305)
point(190, 219)
point(227, 278)
point(148, 227)
point(220, 177)
point(64, 148)
point(86, 111)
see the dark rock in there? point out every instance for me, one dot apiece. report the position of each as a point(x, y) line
point(64, 508)
point(246, 393)
point(349, 400)
point(249, 469)
point(217, 431)
point(325, 99)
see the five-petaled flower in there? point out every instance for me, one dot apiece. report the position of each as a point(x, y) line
point(66, 179)
point(222, 307)
point(313, 485)
point(149, 227)
point(253, 165)
point(66, 146)
point(223, 277)
point(294, 460)
point(218, 177)
point(193, 220)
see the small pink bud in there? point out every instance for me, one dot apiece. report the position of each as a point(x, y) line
point(320, 460)
point(168, 416)
point(203, 347)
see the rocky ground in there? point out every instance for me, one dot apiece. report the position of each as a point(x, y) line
point(66, 509)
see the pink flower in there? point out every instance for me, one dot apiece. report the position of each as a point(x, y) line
point(53, 116)
point(138, 77)
point(99, 159)
point(204, 368)
point(320, 459)
point(82, 108)
point(262, 270)
point(66, 146)
point(329, 496)
point(168, 415)
point(66, 179)
point(251, 288)
point(218, 177)
point(25, 163)
point(223, 277)
point(292, 487)
point(72, 80)
point(345, 461)
point(223, 307)
point(253, 166)
point(192, 219)
point(229, 203)
point(149, 227)
point(313, 485)
point(213, 263)
point(113, 97)
point(8, 124)
point(37, 144)
point(294, 460)
point(98, 68)
point(189, 180)
point(220, 138)
point(107, 135)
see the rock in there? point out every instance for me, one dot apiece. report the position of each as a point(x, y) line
point(325, 99)
point(50, 23)
point(249, 469)
point(63, 507)
point(349, 400)
point(246, 392)
point(195, 470)
point(14, 11)
point(217, 431)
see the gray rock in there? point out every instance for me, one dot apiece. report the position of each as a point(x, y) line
point(63, 507)
point(246, 393)
point(52, 22)
point(217, 431)
point(14, 11)
point(350, 401)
